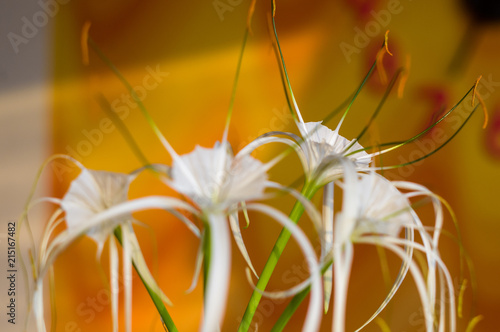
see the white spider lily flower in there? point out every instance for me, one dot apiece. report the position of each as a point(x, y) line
point(377, 199)
point(322, 147)
point(375, 212)
point(90, 195)
point(96, 191)
point(216, 182)
point(320, 150)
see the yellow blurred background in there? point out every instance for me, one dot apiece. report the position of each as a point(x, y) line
point(181, 58)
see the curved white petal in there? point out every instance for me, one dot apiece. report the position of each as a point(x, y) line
point(190, 225)
point(113, 274)
point(49, 229)
point(197, 268)
point(342, 261)
point(128, 257)
point(417, 277)
point(281, 293)
point(314, 312)
point(442, 269)
point(65, 238)
point(403, 271)
point(238, 238)
point(262, 140)
point(328, 240)
point(271, 137)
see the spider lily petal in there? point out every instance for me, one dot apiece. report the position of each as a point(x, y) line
point(219, 273)
point(238, 238)
point(113, 266)
point(197, 268)
point(38, 305)
point(328, 241)
point(419, 190)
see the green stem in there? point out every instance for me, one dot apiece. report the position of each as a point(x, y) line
point(290, 310)
point(308, 191)
point(294, 304)
point(160, 306)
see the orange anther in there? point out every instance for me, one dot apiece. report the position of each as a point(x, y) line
point(84, 42)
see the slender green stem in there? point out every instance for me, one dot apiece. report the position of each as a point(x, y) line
point(294, 304)
point(160, 306)
point(108, 109)
point(290, 310)
point(308, 191)
point(235, 84)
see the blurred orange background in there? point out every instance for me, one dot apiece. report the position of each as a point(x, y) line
point(182, 57)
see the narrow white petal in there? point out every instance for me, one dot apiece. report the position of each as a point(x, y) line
point(342, 261)
point(52, 200)
point(392, 244)
point(282, 293)
point(438, 209)
point(442, 307)
point(127, 276)
point(51, 225)
point(260, 141)
point(38, 306)
point(238, 238)
point(328, 241)
point(218, 275)
point(113, 274)
point(197, 268)
point(190, 225)
point(346, 222)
